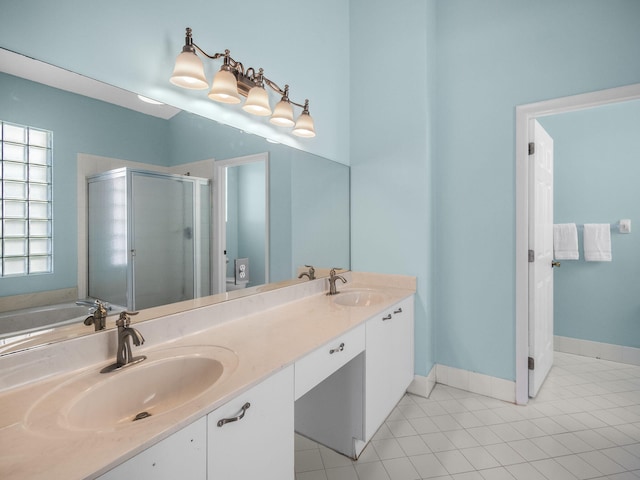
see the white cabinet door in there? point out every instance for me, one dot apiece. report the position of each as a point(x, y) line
point(260, 444)
point(389, 362)
point(182, 455)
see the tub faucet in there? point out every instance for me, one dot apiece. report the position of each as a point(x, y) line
point(97, 314)
point(126, 333)
point(311, 274)
point(332, 282)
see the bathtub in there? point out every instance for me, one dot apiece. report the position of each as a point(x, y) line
point(18, 322)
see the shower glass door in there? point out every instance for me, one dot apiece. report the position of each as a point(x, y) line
point(163, 240)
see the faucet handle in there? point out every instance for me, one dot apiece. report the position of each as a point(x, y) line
point(124, 319)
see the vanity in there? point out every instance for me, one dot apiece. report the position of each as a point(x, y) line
point(222, 390)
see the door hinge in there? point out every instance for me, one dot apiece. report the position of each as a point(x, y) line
point(531, 363)
point(532, 256)
point(532, 148)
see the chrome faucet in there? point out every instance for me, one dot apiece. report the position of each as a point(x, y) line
point(311, 274)
point(97, 314)
point(126, 333)
point(332, 282)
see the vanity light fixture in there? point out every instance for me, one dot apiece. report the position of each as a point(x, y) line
point(234, 81)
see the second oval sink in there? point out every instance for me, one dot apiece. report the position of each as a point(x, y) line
point(358, 298)
point(167, 379)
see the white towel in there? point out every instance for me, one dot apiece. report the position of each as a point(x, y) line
point(565, 241)
point(597, 242)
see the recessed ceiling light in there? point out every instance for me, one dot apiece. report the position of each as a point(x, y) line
point(149, 100)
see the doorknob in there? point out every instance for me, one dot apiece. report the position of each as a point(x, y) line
point(555, 264)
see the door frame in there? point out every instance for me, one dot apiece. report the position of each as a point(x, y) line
point(524, 114)
point(220, 231)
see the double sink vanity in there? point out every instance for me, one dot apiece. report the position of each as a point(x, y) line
point(221, 391)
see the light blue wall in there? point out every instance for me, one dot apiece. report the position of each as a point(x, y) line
point(596, 181)
point(320, 207)
point(392, 93)
point(433, 161)
point(492, 56)
point(133, 45)
point(87, 126)
point(252, 221)
point(308, 195)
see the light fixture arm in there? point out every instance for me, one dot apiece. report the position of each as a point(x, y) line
point(237, 68)
point(246, 80)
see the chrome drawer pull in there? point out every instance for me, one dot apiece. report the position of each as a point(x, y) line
point(388, 317)
point(245, 407)
point(398, 310)
point(335, 350)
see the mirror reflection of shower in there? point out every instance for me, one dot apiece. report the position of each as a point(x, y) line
point(242, 222)
point(150, 233)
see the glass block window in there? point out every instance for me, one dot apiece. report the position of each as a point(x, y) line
point(25, 200)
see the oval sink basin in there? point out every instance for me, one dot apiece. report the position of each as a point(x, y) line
point(358, 298)
point(166, 380)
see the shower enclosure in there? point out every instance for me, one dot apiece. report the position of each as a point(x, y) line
point(148, 237)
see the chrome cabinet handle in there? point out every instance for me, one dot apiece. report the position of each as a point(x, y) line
point(336, 350)
point(398, 310)
point(387, 317)
point(244, 409)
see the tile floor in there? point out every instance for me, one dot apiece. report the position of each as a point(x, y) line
point(584, 424)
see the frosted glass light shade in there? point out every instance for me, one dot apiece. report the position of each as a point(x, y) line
point(257, 102)
point(283, 114)
point(304, 126)
point(224, 88)
point(189, 72)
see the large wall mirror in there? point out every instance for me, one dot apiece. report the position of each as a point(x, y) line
point(307, 196)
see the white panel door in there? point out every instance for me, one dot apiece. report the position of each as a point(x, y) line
point(540, 269)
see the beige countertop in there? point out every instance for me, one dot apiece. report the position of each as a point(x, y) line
point(33, 445)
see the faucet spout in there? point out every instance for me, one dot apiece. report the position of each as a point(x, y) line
point(311, 274)
point(97, 313)
point(332, 282)
point(126, 334)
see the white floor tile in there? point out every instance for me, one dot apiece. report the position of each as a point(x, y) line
point(484, 435)
point(551, 446)
point(480, 458)
point(437, 442)
point(332, 459)
point(454, 461)
point(423, 425)
point(308, 460)
point(461, 439)
point(585, 424)
point(388, 448)
point(413, 445)
point(525, 471)
point(342, 473)
point(372, 471)
point(504, 454)
point(528, 450)
point(498, 473)
point(428, 465)
point(400, 469)
point(314, 475)
point(602, 463)
point(578, 467)
point(553, 470)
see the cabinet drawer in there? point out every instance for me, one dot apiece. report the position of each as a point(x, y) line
point(322, 362)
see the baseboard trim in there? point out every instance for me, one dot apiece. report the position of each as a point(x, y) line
point(474, 382)
point(486, 385)
point(422, 385)
point(604, 351)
